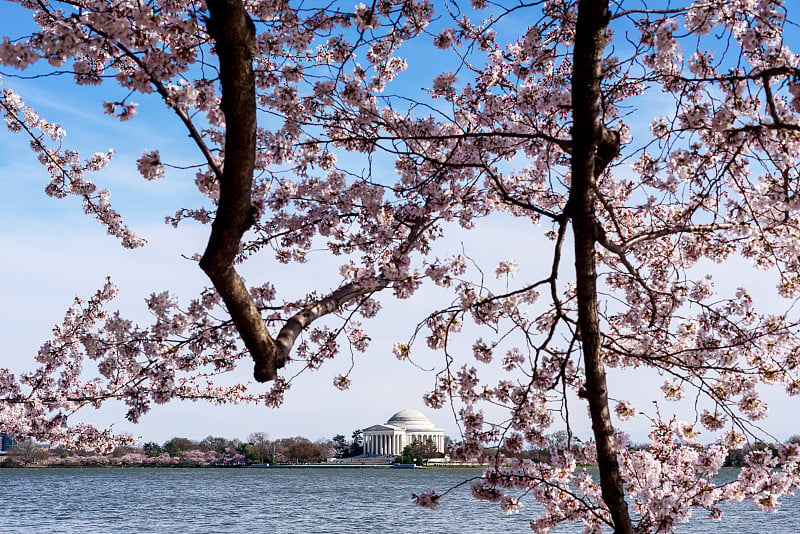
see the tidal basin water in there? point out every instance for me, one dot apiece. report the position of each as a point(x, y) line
point(296, 501)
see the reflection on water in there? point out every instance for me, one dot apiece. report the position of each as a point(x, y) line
point(136, 500)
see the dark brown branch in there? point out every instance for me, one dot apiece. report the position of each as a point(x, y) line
point(510, 199)
point(769, 72)
point(649, 12)
point(563, 144)
point(234, 34)
point(313, 311)
point(683, 229)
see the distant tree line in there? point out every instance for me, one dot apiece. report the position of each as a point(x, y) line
point(259, 449)
point(560, 439)
point(182, 451)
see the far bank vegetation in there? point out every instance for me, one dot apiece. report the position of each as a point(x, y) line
point(216, 451)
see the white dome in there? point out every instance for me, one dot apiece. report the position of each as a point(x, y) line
point(411, 420)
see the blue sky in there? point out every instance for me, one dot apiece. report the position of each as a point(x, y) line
point(53, 252)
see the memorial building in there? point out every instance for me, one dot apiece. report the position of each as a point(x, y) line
point(403, 428)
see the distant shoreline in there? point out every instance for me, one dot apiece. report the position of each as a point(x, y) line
point(279, 466)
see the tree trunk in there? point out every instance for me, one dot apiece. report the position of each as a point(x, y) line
point(590, 136)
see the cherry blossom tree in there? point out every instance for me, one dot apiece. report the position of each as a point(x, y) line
point(645, 140)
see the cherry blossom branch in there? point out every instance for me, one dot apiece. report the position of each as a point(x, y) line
point(65, 171)
point(663, 232)
point(508, 197)
point(563, 144)
point(182, 115)
point(313, 311)
point(160, 88)
point(629, 12)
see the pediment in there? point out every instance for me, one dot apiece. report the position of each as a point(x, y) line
point(383, 428)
